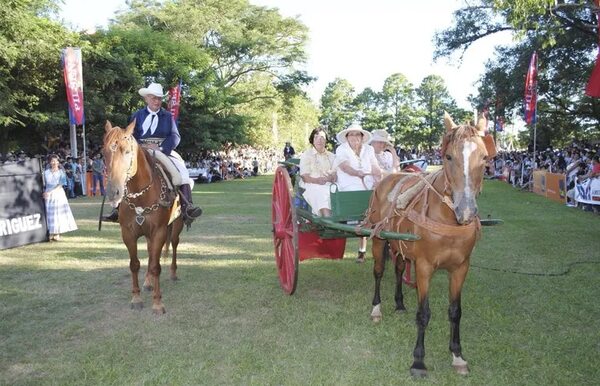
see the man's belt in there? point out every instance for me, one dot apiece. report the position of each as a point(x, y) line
point(152, 141)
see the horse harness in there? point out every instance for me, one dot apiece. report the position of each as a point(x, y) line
point(421, 184)
point(141, 212)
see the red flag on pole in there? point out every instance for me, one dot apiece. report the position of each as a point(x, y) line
point(174, 100)
point(74, 83)
point(593, 87)
point(531, 91)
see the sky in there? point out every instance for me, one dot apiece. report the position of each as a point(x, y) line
point(362, 41)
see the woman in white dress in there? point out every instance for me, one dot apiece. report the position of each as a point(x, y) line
point(384, 152)
point(356, 167)
point(316, 171)
point(59, 217)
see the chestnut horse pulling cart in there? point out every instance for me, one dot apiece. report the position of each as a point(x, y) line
point(430, 221)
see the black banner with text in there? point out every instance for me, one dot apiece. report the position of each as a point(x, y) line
point(22, 211)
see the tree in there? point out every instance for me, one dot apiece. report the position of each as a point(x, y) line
point(370, 107)
point(247, 45)
point(30, 73)
point(398, 96)
point(337, 109)
point(433, 97)
point(564, 33)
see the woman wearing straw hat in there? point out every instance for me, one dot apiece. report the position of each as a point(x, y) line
point(384, 152)
point(156, 128)
point(356, 167)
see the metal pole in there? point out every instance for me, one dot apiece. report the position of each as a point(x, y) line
point(73, 136)
point(84, 167)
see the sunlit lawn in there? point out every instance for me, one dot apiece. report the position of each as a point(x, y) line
point(65, 316)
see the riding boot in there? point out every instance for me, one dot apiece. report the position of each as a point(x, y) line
point(189, 211)
point(113, 217)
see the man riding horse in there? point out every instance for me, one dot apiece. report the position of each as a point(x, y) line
point(155, 128)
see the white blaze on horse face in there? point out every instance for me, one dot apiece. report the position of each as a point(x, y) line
point(468, 148)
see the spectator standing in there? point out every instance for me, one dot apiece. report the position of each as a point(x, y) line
point(58, 212)
point(288, 151)
point(98, 169)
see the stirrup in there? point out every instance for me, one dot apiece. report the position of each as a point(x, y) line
point(193, 212)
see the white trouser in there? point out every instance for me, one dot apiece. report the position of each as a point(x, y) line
point(180, 165)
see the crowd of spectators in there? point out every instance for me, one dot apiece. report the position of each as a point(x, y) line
point(575, 161)
point(239, 162)
point(515, 167)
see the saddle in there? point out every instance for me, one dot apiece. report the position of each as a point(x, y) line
point(172, 179)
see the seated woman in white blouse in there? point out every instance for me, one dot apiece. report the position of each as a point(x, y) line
point(356, 166)
point(384, 152)
point(316, 171)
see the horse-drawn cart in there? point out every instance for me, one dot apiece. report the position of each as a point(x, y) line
point(298, 234)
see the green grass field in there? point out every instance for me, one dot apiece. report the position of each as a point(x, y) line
point(530, 305)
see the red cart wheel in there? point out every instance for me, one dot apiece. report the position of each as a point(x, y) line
point(285, 230)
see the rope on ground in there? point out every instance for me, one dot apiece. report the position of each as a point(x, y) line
point(550, 274)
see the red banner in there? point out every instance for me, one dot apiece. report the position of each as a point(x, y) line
point(74, 84)
point(593, 87)
point(174, 100)
point(531, 91)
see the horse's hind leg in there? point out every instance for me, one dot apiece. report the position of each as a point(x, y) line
point(134, 266)
point(378, 269)
point(457, 278)
point(176, 231)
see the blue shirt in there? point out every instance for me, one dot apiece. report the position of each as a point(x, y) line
point(165, 130)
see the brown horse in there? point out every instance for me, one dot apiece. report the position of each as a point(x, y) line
point(134, 177)
point(442, 209)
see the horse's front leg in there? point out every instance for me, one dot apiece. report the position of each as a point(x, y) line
point(155, 244)
point(134, 266)
point(423, 276)
point(378, 269)
point(457, 278)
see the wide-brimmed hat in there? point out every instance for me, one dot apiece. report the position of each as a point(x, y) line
point(341, 136)
point(381, 136)
point(152, 89)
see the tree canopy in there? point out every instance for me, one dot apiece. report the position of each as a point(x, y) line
point(565, 35)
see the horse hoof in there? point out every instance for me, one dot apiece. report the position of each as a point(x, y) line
point(401, 311)
point(158, 310)
point(461, 369)
point(418, 373)
point(147, 288)
point(376, 318)
point(137, 306)
point(174, 278)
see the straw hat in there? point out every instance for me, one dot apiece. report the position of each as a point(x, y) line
point(152, 89)
point(341, 136)
point(381, 136)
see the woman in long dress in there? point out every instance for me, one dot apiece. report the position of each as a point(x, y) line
point(316, 171)
point(59, 217)
point(356, 167)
